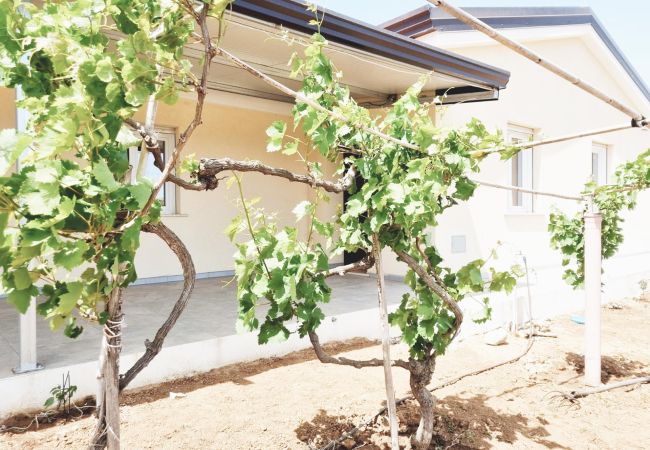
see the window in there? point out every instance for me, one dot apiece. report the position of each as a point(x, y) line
point(521, 170)
point(599, 163)
point(167, 194)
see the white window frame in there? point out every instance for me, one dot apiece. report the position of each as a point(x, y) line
point(598, 155)
point(521, 202)
point(167, 194)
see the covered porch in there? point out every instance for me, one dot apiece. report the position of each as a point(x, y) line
point(211, 313)
point(378, 65)
point(204, 336)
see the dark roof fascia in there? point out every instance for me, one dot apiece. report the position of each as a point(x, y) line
point(352, 33)
point(416, 24)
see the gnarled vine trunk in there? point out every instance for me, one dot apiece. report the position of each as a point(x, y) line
point(107, 429)
point(420, 377)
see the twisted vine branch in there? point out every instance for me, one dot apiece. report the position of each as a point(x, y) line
point(209, 168)
point(364, 264)
point(342, 361)
point(189, 278)
point(201, 91)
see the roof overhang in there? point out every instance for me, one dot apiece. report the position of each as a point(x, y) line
point(428, 19)
point(377, 65)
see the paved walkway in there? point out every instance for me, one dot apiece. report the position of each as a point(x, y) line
point(211, 313)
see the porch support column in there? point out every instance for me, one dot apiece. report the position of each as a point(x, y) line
point(593, 271)
point(28, 362)
point(27, 355)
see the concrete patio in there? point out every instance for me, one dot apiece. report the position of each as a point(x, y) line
point(211, 313)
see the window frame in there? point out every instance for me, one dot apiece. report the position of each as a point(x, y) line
point(517, 134)
point(168, 137)
point(602, 151)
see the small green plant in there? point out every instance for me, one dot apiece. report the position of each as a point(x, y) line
point(62, 394)
point(643, 284)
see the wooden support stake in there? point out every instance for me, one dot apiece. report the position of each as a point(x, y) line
point(385, 345)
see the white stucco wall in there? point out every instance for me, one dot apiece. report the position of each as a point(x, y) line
point(553, 107)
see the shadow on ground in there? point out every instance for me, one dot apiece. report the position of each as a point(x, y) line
point(461, 423)
point(611, 366)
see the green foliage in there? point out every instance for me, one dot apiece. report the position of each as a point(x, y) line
point(404, 192)
point(62, 394)
point(69, 216)
point(274, 266)
point(567, 233)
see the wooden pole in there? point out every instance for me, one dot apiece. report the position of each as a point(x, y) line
point(107, 429)
point(593, 271)
point(526, 191)
point(112, 370)
point(568, 137)
point(385, 345)
point(476, 24)
point(303, 99)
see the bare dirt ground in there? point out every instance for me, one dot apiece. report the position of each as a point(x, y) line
point(295, 401)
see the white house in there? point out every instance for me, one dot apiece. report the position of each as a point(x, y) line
point(378, 65)
point(503, 90)
point(538, 104)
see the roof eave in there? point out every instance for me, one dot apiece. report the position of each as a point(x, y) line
point(416, 24)
point(349, 32)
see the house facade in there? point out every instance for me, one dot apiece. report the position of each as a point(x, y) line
point(475, 76)
point(378, 66)
point(536, 105)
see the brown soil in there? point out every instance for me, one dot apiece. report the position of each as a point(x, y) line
point(45, 419)
point(611, 366)
point(233, 373)
point(296, 402)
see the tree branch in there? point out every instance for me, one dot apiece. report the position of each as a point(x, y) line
point(209, 168)
point(438, 289)
point(189, 277)
point(365, 264)
point(178, 181)
point(150, 140)
point(209, 53)
point(342, 361)
point(574, 395)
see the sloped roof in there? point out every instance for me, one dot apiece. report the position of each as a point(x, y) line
point(343, 30)
point(428, 19)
